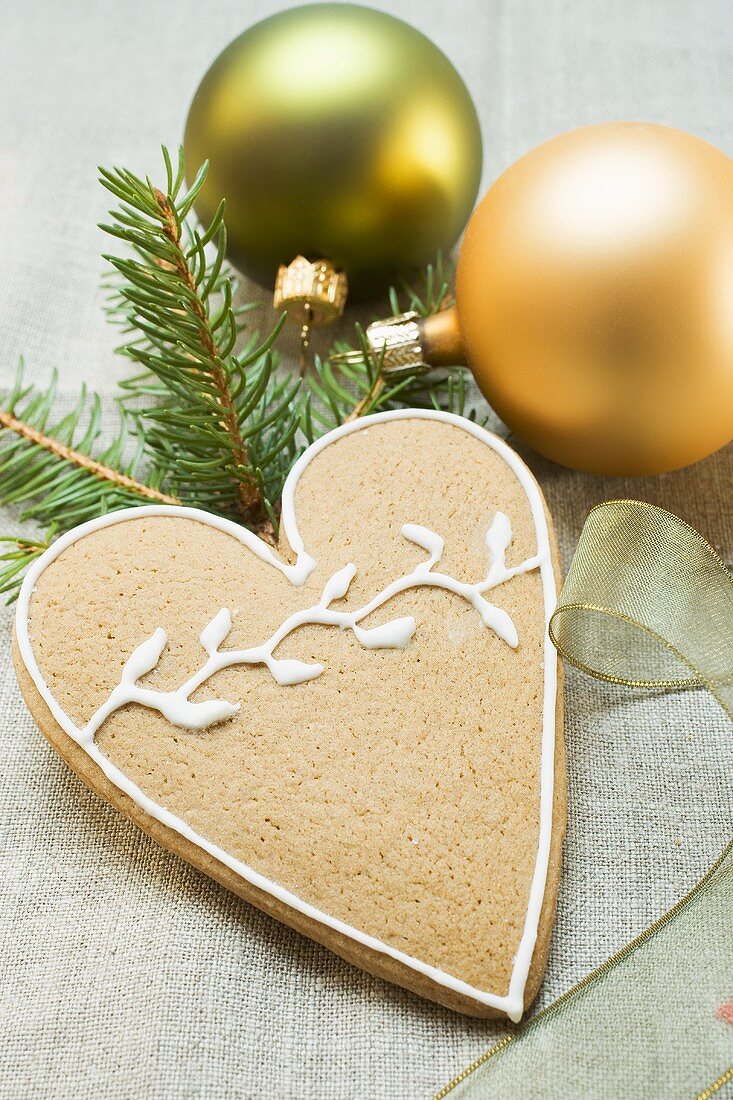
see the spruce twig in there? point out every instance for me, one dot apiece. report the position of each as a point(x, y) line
point(219, 423)
point(249, 494)
point(369, 400)
point(376, 386)
point(47, 443)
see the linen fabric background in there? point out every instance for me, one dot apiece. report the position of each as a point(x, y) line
point(123, 971)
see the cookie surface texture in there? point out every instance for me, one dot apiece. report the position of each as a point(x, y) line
point(358, 731)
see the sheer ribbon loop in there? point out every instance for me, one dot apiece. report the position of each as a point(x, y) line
point(648, 603)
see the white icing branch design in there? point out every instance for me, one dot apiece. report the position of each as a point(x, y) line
point(176, 705)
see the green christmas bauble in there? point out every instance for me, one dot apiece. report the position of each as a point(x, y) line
point(335, 131)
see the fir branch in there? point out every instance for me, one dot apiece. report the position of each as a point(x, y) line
point(345, 389)
point(47, 443)
point(217, 421)
point(248, 493)
point(48, 471)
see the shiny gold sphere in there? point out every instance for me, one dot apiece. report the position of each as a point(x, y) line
point(335, 131)
point(595, 298)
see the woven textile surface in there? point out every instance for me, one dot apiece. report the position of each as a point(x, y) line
point(124, 971)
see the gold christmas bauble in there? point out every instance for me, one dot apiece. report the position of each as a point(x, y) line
point(595, 298)
point(335, 131)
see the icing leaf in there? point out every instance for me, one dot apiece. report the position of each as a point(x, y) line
point(498, 538)
point(425, 538)
point(293, 672)
point(394, 635)
point(214, 634)
point(145, 657)
point(499, 534)
point(338, 585)
point(194, 716)
point(499, 621)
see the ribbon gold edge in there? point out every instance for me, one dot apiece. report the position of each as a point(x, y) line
point(711, 1089)
point(598, 674)
point(646, 506)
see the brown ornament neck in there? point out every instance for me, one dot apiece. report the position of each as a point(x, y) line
point(440, 337)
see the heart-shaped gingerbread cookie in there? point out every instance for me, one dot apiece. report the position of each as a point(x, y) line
point(358, 733)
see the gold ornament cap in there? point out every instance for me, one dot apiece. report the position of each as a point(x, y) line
point(397, 341)
point(409, 342)
point(312, 293)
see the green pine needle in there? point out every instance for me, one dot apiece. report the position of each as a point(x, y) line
point(14, 562)
point(430, 295)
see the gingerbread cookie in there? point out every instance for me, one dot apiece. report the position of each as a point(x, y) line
point(358, 732)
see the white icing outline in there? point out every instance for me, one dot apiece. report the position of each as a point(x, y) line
point(511, 1003)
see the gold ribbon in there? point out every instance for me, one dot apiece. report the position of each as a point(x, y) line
point(647, 603)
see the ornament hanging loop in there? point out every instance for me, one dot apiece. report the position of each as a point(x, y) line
point(305, 338)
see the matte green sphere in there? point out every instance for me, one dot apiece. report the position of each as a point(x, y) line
point(335, 131)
